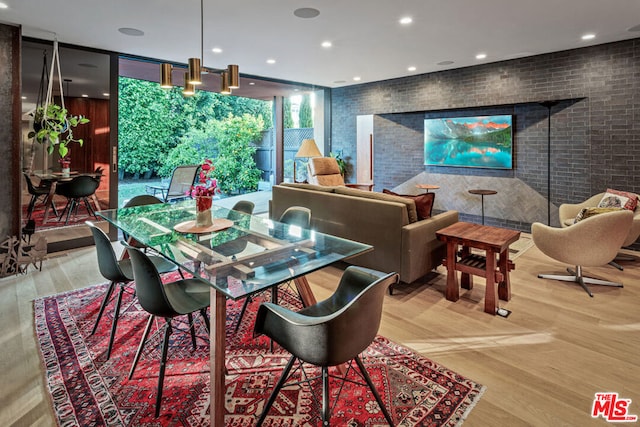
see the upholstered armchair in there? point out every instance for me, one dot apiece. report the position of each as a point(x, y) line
point(325, 171)
point(568, 213)
point(592, 242)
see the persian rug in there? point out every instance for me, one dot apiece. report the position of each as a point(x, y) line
point(88, 390)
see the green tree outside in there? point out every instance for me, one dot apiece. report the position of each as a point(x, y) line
point(306, 115)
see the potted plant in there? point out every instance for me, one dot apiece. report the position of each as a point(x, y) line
point(342, 164)
point(53, 125)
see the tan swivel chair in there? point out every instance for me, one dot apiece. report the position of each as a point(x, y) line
point(325, 171)
point(568, 213)
point(592, 242)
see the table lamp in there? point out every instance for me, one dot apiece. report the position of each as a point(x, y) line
point(308, 148)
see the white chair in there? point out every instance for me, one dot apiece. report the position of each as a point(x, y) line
point(592, 242)
point(569, 211)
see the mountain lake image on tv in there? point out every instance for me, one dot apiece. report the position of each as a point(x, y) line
point(481, 142)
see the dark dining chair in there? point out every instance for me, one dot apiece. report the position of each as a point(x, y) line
point(297, 216)
point(169, 301)
point(118, 273)
point(40, 191)
point(77, 191)
point(140, 200)
point(330, 332)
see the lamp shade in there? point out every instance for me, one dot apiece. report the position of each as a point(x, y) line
point(165, 76)
point(195, 71)
point(233, 76)
point(188, 89)
point(224, 84)
point(308, 148)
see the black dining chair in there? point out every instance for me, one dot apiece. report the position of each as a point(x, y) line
point(330, 332)
point(77, 191)
point(296, 216)
point(40, 191)
point(118, 273)
point(139, 200)
point(169, 301)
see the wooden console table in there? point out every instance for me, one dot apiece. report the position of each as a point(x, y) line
point(493, 240)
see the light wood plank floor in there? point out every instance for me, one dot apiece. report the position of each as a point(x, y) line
point(541, 365)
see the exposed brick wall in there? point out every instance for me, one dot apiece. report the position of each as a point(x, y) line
point(595, 128)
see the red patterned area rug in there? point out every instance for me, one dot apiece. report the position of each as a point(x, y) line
point(87, 390)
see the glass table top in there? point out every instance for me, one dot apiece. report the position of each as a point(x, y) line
point(253, 254)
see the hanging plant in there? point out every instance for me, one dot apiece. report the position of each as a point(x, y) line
point(52, 124)
point(56, 128)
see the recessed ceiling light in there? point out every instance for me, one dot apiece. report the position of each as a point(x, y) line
point(84, 95)
point(216, 50)
point(306, 12)
point(252, 83)
point(481, 56)
point(271, 61)
point(406, 20)
point(412, 68)
point(4, 6)
point(105, 94)
point(24, 97)
point(326, 44)
point(588, 36)
point(357, 78)
point(131, 31)
point(445, 63)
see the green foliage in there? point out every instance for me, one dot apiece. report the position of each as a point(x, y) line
point(55, 127)
point(342, 164)
point(235, 168)
point(192, 149)
point(154, 124)
point(306, 115)
point(286, 112)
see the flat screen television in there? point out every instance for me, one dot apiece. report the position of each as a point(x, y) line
point(479, 142)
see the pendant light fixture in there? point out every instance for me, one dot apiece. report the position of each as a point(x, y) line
point(189, 88)
point(193, 77)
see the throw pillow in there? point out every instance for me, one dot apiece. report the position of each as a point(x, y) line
point(587, 212)
point(619, 199)
point(424, 202)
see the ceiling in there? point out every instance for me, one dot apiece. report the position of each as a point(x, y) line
point(368, 41)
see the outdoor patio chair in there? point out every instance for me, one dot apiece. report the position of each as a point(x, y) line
point(178, 187)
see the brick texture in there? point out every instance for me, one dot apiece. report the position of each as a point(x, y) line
point(595, 127)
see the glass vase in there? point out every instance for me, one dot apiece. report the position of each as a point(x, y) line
point(203, 211)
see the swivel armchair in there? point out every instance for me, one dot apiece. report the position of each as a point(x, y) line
point(592, 242)
point(569, 211)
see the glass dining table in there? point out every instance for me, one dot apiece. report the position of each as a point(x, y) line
point(246, 254)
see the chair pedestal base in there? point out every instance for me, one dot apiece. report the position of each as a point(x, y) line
point(577, 277)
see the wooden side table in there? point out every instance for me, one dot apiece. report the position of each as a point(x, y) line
point(427, 187)
point(494, 241)
point(483, 193)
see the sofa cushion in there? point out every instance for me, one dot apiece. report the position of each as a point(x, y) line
point(424, 202)
point(588, 212)
point(411, 206)
point(312, 187)
point(619, 199)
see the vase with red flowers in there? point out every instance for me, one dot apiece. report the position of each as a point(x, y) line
point(203, 193)
point(65, 165)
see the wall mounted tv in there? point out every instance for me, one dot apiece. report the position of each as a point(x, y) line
point(480, 142)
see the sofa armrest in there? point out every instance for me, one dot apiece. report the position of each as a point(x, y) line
point(423, 251)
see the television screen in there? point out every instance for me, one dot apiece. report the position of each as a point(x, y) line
point(481, 142)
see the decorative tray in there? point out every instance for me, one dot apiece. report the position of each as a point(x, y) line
point(190, 226)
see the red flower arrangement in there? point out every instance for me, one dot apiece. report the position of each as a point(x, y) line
point(207, 185)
